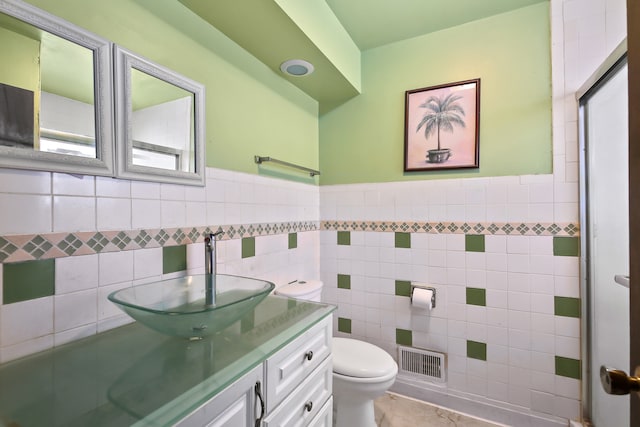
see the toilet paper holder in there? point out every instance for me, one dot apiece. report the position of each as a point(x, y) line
point(429, 288)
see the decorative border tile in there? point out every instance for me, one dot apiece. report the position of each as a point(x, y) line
point(27, 247)
point(446, 227)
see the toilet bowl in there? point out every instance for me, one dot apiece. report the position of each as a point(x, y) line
point(361, 371)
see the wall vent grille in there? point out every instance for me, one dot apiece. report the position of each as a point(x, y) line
point(425, 364)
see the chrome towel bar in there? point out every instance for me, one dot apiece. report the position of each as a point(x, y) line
point(260, 159)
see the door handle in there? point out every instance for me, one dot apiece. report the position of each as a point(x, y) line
point(615, 381)
point(621, 279)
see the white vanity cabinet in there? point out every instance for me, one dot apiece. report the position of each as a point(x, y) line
point(233, 407)
point(299, 379)
point(295, 387)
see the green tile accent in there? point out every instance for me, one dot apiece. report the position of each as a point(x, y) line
point(174, 258)
point(476, 350)
point(567, 367)
point(344, 238)
point(403, 240)
point(344, 281)
point(566, 306)
point(248, 247)
point(404, 337)
point(293, 240)
point(566, 246)
point(344, 325)
point(477, 296)
point(474, 242)
point(403, 288)
point(28, 280)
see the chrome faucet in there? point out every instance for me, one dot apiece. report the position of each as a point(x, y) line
point(210, 267)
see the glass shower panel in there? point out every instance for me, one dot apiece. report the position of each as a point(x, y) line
point(605, 128)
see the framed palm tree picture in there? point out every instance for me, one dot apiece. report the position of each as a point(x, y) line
point(442, 127)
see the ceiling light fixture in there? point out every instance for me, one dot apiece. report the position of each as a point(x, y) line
point(297, 67)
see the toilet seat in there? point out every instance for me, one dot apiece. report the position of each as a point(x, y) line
point(360, 360)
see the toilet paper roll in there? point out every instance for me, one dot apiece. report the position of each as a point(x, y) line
point(422, 298)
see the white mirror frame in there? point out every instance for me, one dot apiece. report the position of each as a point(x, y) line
point(21, 158)
point(124, 61)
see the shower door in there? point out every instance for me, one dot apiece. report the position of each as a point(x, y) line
point(605, 237)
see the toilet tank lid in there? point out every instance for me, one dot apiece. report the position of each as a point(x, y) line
point(355, 358)
point(300, 288)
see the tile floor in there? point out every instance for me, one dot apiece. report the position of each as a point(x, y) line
point(393, 410)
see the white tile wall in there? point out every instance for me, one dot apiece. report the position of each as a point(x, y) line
point(50, 202)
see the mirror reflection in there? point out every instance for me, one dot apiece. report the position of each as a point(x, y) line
point(162, 124)
point(46, 91)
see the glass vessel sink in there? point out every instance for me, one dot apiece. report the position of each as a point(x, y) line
point(177, 306)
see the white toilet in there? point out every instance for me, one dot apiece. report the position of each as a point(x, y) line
point(361, 371)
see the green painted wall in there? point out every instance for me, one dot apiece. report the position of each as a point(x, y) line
point(249, 110)
point(20, 56)
point(363, 140)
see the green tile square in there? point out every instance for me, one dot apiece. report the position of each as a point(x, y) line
point(477, 296)
point(174, 258)
point(403, 240)
point(476, 350)
point(566, 367)
point(474, 242)
point(404, 337)
point(344, 281)
point(566, 246)
point(344, 238)
point(566, 306)
point(28, 280)
point(344, 325)
point(248, 247)
point(293, 240)
point(403, 288)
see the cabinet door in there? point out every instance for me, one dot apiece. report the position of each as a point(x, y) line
point(235, 406)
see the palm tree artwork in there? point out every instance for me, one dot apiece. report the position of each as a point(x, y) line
point(443, 114)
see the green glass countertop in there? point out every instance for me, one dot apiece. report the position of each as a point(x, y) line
point(135, 376)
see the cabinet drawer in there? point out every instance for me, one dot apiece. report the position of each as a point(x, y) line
point(306, 401)
point(295, 362)
point(325, 416)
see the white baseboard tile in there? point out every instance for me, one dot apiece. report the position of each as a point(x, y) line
point(475, 406)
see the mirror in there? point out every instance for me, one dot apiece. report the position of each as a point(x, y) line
point(160, 121)
point(55, 94)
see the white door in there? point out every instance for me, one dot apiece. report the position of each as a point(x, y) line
point(605, 234)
